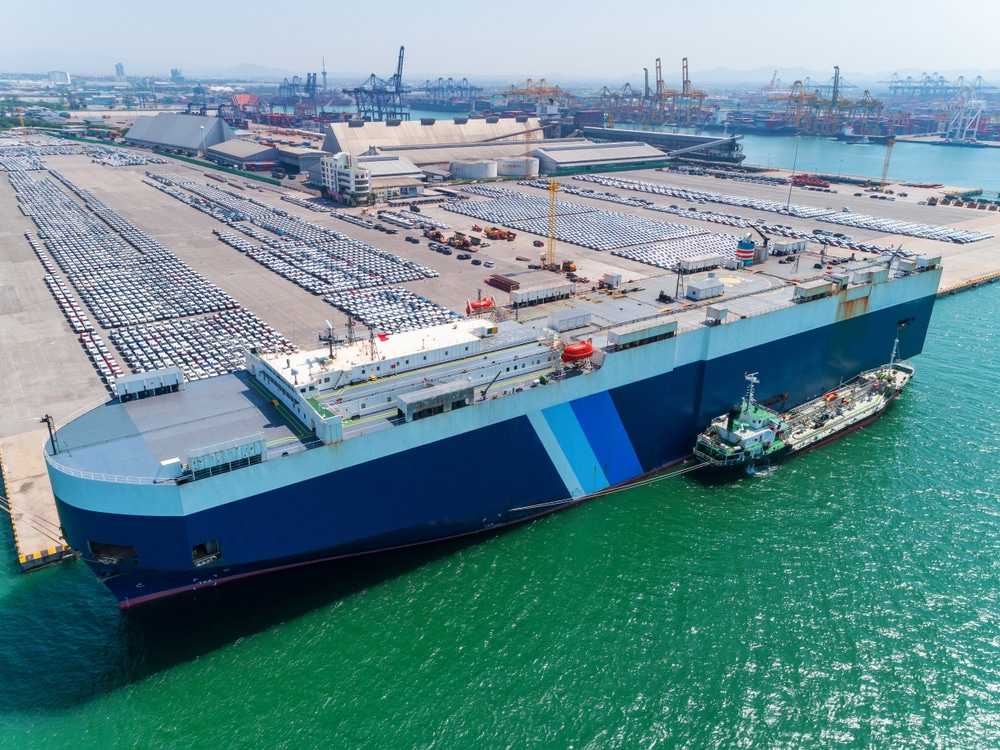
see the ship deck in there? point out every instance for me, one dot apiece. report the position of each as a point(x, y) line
point(129, 440)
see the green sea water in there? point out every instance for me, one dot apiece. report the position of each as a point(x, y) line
point(847, 598)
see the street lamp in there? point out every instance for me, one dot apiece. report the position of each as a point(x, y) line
point(795, 161)
point(203, 149)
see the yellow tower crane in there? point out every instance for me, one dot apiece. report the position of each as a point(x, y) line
point(553, 189)
point(24, 130)
point(885, 169)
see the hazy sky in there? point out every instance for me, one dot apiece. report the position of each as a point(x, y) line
point(584, 38)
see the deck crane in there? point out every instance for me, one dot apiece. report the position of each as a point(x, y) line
point(885, 169)
point(767, 240)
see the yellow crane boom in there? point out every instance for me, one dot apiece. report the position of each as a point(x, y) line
point(553, 189)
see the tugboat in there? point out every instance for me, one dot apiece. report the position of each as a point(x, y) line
point(751, 434)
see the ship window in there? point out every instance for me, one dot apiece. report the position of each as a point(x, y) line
point(113, 554)
point(206, 552)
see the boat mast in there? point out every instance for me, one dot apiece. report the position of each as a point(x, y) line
point(752, 380)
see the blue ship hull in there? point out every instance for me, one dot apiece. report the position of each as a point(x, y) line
point(538, 461)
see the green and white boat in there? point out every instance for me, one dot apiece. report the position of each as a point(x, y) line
point(752, 434)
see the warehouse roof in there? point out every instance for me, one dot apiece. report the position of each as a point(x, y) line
point(396, 181)
point(246, 150)
point(587, 152)
point(356, 137)
point(384, 166)
point(171, 130)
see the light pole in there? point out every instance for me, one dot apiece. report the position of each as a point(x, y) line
point(840, 168)
point(203, 149)
point(795, 161)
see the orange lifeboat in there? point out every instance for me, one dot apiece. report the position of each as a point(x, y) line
point(578, 351)
point(479, 305)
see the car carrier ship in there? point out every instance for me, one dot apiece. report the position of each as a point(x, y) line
point(374, 444)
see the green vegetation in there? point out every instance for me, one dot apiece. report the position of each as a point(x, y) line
point(12, 102)
point(10, 123)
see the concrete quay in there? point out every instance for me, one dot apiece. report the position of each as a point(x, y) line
point(44, 369)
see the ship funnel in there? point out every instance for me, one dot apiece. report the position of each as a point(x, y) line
point(734, 413)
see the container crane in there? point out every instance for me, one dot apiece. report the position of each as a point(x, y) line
point(379, 100)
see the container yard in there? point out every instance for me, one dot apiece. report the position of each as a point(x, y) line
point(119, 263)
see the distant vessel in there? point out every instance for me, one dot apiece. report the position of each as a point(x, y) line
point(753, 434)
point(750, 124)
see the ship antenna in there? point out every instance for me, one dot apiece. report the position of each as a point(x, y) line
point(752, 380)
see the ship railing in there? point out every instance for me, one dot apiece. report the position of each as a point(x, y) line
point(99, 477)
point(279, 451)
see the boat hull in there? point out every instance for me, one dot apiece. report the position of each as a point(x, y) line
point(547, 448)
point(786, 453)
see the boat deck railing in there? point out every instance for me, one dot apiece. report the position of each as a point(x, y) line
point(100, 477)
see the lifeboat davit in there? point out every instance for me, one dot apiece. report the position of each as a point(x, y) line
point(578, 351)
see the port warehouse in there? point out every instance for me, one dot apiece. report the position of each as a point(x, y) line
point(182, 133)
point(724, 149)
point(428, 143)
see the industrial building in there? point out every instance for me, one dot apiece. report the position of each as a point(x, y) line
point(568, 157)
point(245, 155)
point(700, 147)
point(494, 147)
point(387, 176)
point(189, 134)
point(298, 159)
point(357, 136)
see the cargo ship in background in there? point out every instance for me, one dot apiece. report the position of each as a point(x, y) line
point(362, 446)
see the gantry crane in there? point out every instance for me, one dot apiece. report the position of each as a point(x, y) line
point(379, 100)
point(691, 99)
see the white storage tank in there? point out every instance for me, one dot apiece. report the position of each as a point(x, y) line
point(518, 167)
point(473, 169)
